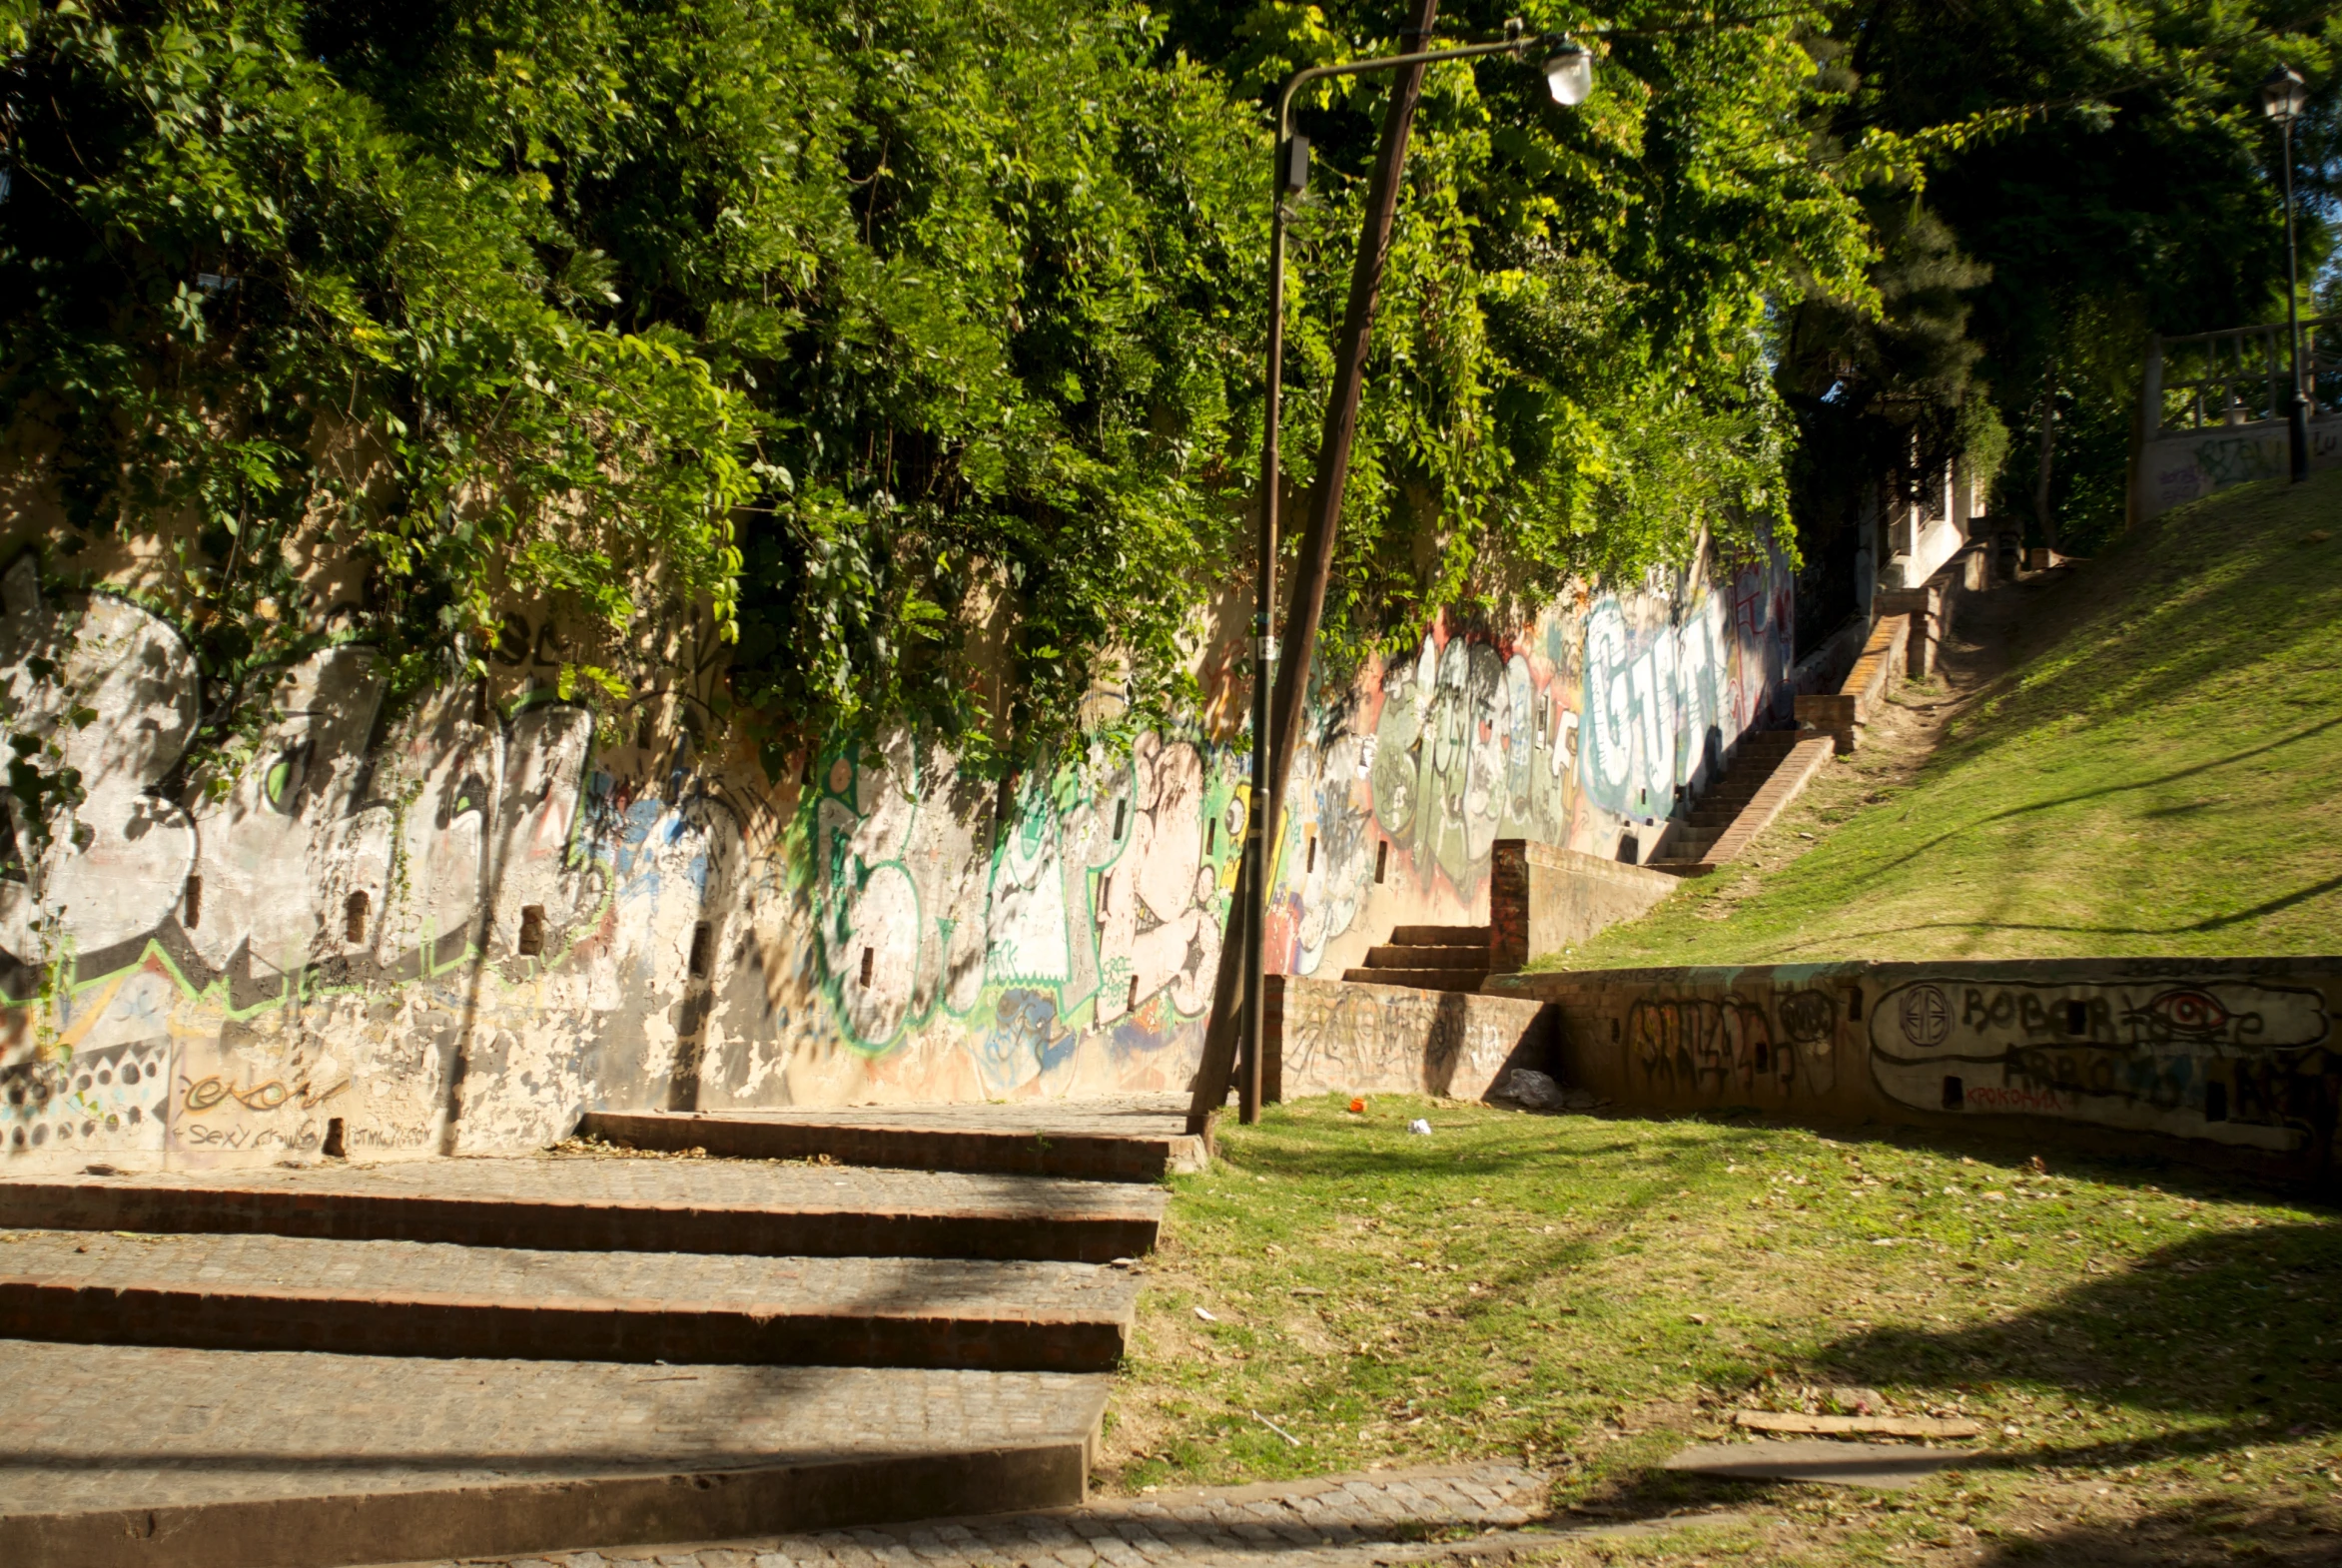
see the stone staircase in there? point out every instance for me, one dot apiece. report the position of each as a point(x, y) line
point(1767, 771)
point(1428, 957)
point(596, 1347)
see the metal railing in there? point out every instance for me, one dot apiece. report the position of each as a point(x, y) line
point(2240, 376)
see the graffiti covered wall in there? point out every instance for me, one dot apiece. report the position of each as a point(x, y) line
point(456, 924)
point(2237, 1054)
point(2180, 465)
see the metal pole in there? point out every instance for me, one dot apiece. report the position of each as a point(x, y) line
point(1252, 879)
point(1239, 999)
point(2297, 412)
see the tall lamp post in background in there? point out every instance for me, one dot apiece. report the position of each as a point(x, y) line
point(2282, 98)
point(1568, 75)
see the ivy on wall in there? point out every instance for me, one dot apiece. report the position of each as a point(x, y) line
point(918, 340)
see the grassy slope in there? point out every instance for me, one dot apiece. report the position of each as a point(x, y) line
point(2161, 777)
point(2155, 1364)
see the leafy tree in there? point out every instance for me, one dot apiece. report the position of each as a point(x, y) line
point(2074, 176)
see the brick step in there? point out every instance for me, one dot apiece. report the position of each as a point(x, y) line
point(1393, 956)
point(175, 1458)
point(1130, 1139)
point(620, 1205)
point(1418, 979)
point(1439, 936)
point(270, 1292)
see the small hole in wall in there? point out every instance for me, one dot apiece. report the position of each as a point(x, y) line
point(1105, 886)
point(2215, 1101)
point(1955, 1096)
point(532, 929)
point(1853, 1003)
point(1211, 835)
point(868, 963)
point(1614, 1031)
point(1312, 865)
point(2078, 1018)
point(702, 939)
point(354, 915)
point(191, 907)
point(333, 1147)
point(1763, 1056)
point(1381, 859)
point(1122, 817)
point(1132, 1003)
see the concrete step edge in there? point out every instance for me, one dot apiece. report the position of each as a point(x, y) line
point(1006, 1152)
point(574, 1328)
point(541, 1515)
point(1439, 936)
point(1417, 979)
point(589, 1225)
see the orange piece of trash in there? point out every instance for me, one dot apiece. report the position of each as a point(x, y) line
point(1359, 1106)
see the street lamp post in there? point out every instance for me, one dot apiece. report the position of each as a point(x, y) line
point(1569, 77)
point(2283, 97)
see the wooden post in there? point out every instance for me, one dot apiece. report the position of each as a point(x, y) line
point(1307, 607)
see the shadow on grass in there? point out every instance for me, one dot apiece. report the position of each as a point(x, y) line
point(1875, 871)
point(2260, 911)
point(2228, 1325)
point(2204, 1530)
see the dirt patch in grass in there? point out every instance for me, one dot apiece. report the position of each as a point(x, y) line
point(2153, 1353)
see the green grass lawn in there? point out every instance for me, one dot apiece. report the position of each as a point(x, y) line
point(2153, 1354)
point(2159, 774)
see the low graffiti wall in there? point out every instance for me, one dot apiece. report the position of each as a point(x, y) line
point(1341, 1037)
point(2225, 1061)
point(2181, 465)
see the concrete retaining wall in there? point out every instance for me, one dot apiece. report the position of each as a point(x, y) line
point(1936, 604)
point(1341, 1037)
point(2221, 1061)
point(1542, 899)
point(2180, 465)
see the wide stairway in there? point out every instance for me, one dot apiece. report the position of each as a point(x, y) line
point(1427, 958)
point(678, 1327)
point(1727, 814)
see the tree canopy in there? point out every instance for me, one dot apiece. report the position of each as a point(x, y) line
point(913, 338)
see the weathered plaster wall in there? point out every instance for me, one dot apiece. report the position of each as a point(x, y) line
point(2213, 1057)
point(456, 926)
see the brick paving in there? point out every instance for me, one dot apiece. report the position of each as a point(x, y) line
point(1129, 1138)
point(684, 1206)
point(410, 1298)
point(1487, 1513)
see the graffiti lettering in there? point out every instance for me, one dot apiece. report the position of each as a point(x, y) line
point(2233, 1060)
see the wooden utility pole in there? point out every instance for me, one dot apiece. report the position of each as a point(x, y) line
point(1307, 607)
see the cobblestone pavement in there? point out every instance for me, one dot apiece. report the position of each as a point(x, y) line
point(1447, 1514)
point(109, 1426)
point(926, 1287)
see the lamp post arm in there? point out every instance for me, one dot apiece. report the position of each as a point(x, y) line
point(1319, 73)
